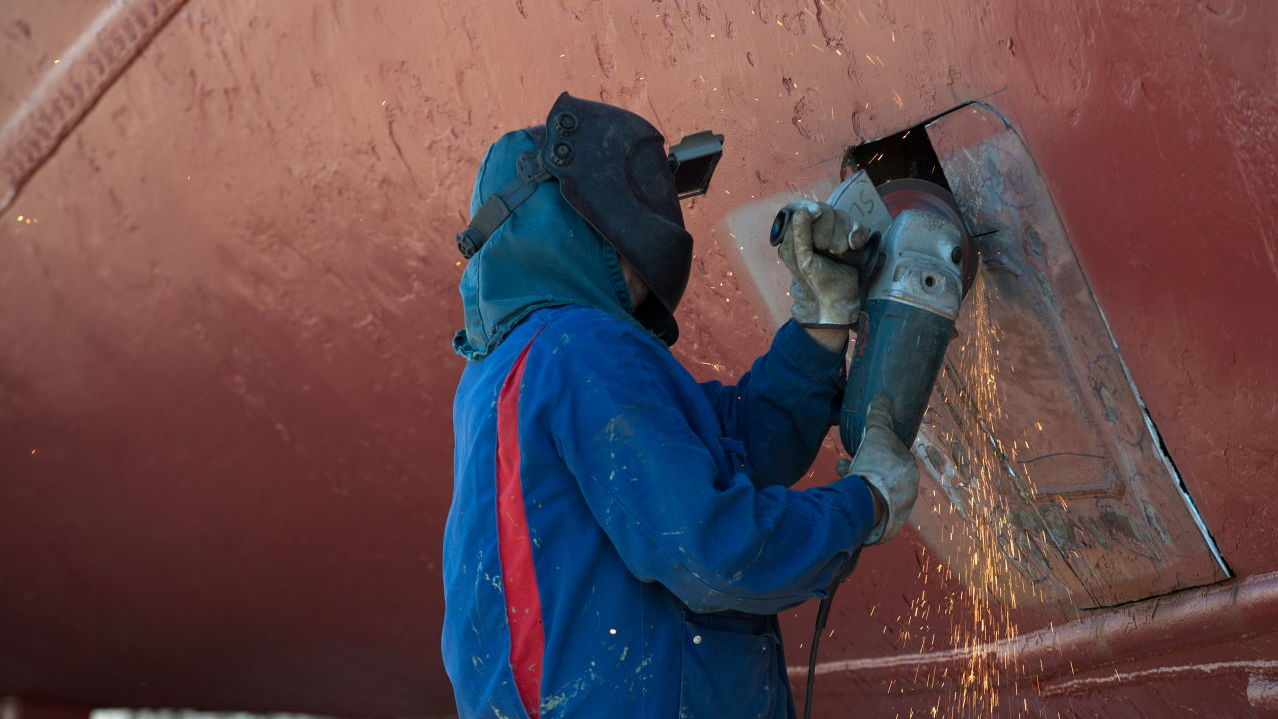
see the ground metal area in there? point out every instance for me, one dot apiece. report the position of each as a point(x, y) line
point(229, 285)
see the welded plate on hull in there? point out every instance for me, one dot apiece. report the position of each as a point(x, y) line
point(1046, 467)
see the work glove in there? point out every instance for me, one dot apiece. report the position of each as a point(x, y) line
point(888, 467)
point(825, 292)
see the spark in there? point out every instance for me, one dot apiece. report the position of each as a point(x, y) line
point(988, 548)
point(20, 218)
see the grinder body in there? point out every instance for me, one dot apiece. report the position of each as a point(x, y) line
point(907, 321)
point(915, 262)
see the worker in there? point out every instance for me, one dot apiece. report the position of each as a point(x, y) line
point(621, 536)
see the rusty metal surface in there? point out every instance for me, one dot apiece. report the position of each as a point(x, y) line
point(225, 376)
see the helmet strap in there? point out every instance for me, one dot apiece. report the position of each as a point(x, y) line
point(529, 173)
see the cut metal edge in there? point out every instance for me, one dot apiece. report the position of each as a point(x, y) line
point(1161, 451)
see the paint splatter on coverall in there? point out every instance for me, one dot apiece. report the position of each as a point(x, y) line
point(621, 536)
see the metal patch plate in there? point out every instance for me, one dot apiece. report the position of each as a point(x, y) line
point(1045, 463)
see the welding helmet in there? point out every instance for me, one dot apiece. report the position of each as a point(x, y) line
point(612, 169)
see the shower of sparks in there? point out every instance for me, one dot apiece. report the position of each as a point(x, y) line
point(969, 602)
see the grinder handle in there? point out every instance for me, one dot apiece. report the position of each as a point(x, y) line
point(859, 258)
point(899, 350)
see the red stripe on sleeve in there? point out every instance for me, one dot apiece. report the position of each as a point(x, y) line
point(518, 576)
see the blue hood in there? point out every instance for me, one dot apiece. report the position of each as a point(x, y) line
point(543, 255)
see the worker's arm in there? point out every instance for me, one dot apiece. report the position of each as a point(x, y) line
point(835, 340)
point(671, 500)
point(783, 407)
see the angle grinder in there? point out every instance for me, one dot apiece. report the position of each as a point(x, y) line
point(915, 260)
point(915, 263)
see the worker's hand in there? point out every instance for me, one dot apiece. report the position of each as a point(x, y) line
point(825, 292)
point(888, 467)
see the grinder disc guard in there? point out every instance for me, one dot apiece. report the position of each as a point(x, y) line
point(914, 194)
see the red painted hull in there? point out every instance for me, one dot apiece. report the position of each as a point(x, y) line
point(225, 380)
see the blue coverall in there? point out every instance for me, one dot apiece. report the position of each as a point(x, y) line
point(621, 536)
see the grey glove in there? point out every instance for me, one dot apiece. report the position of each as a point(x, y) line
point(825, 292)
point(888, 467)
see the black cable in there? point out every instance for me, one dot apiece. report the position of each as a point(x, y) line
point(823, 611)
point(823, 614)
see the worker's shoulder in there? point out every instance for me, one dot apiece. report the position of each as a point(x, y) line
point(587, 347)
point(574, 326)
